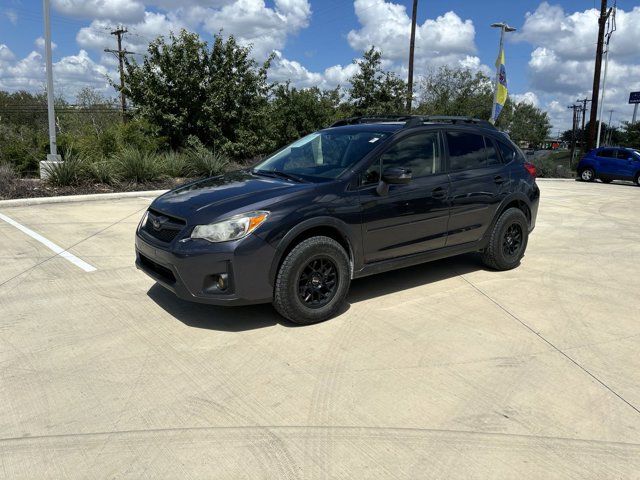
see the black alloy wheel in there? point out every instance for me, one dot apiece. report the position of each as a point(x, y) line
point(512, 240)
point(318, 282)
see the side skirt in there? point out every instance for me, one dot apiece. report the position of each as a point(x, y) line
point(416, 259)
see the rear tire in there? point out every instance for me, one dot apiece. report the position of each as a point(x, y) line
point(313, 281)
point(508, 241)
point(637, 179)
point(588, 175)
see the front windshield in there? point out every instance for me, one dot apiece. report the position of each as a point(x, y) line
point(322, 156)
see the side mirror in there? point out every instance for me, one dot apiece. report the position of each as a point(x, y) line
point(393, 176)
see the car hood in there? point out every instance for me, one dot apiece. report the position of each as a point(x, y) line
point(225, 195)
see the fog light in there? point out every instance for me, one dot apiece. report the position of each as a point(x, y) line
point(223, 281)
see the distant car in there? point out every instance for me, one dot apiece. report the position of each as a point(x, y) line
point(365, 196)
point(609, 163)
point(530, 152)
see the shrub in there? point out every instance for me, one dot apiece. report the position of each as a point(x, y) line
point(205, 162)
point(8, 178)
point(67, 173)
point(101, 171)
point(137, 165)
point(176, 164)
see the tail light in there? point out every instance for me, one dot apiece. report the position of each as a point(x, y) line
point(531, 168)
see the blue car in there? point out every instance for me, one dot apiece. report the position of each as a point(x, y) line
point(610, 163)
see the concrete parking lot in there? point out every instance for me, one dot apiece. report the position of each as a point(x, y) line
point(445, 370)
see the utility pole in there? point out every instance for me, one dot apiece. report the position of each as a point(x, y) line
point(120, 54)
point(503, 28)
point(611, 27)
point(584, 102)
point(412, 48)
point(602, 20)
point(53, 156)
point(575, 109)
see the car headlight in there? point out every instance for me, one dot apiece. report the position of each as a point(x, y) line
point(234, 228)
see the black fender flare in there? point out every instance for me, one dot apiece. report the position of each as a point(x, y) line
point(322, 221)
point(509, 199)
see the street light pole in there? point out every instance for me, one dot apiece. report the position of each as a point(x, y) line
point(53, 147)
point(49, 64)
point(503, 28)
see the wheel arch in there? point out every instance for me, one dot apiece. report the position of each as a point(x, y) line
point(319, 226)
point(518, 201)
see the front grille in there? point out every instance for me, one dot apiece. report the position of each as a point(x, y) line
point(159, 270)
point(163, 227)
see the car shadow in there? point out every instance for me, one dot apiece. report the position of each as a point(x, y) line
point(237, 319)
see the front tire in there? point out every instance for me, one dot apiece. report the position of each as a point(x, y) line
point(313, 281)
point(508, 241)
point(588, 175)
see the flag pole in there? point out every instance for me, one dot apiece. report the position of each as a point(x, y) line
point(503, 28)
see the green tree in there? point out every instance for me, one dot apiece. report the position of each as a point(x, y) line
point(630, 135)
point(455, 91)
point(298, 112)
point(528, 124)
point(217, 94)
point(375, 91)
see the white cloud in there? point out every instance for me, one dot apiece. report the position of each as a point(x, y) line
point(71, 73)
point(39, 43)
point(561, 65)
point(12, 16)
point(118, 10)
point(528, 97)
point(386, 25)
point(253, 23)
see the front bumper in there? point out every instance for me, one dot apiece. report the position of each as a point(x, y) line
point(188, 269)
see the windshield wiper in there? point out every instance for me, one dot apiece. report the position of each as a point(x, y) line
point(277, 173)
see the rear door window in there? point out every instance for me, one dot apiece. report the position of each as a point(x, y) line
point(623, 154)
point(466, 150)
point(508, 153)
point(492, 153)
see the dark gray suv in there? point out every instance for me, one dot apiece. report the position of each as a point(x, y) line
point(365, 196)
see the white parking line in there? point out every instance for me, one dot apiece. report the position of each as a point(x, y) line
point(49, 244)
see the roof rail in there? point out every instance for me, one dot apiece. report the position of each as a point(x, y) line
point(421, 120)
point(413, 120)
point(372, 119)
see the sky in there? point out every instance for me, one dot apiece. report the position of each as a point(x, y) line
point(549, 58)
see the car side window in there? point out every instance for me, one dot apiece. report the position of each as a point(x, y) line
point(466, 150)
point(420, 153)
point(607, 153)
point(508, 153)
point(492, 153)
point(623, 155)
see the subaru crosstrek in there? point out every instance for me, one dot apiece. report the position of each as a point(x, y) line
point(365, 196)
point(610, 163)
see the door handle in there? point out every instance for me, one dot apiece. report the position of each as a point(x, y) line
point(498, 179)
point(439, 193)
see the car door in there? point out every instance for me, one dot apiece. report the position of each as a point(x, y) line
point(607, 162)
point(626, 163)
point(479, 182)
point(410, 218)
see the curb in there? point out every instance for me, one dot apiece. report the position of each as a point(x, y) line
point(25, 202)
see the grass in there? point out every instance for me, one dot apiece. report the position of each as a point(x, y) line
point(207, 163)
point(137, 166)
